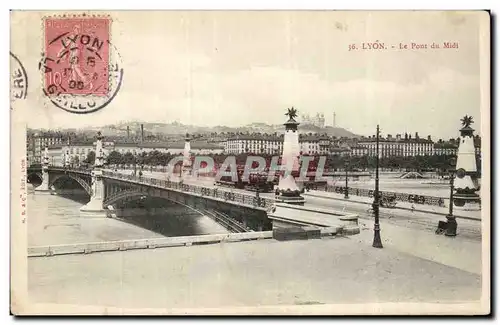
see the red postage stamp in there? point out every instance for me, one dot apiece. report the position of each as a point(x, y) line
point(77, 56)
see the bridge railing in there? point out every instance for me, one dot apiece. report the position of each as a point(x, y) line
point(403, 197)
point(238, 197)
point(72, 169)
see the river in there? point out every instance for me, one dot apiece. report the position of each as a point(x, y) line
point(54, 219)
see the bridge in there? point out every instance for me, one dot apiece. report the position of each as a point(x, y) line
point(109, 189)
point(238, 211)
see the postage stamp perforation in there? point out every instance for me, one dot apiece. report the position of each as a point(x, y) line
point(77, 15)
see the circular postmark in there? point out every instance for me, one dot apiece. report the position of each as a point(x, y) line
point(18, 80)
point(81, 69)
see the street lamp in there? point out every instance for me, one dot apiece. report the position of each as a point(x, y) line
point(451, 222)
point(346, 194)
point(377, 242)
point(135, 163)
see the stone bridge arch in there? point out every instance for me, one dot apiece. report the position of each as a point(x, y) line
point(83, 183)
point(132, 193)
point(35, 174)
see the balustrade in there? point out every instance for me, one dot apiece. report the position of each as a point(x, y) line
point(403, 197)
point(204, 191)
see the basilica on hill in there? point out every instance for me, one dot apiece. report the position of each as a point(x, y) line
point(318, 120)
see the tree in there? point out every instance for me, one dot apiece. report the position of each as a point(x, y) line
point(141, 159)
point(165, 158)
point(128, 158)
point(114, 158)
point(153, 158)
point(90, 158)
point(363, 162)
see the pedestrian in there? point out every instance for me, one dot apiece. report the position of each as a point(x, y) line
point(412, 208)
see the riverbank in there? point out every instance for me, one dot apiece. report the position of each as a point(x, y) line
point(250, 274)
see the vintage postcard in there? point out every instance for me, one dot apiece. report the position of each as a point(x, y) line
point(250, 162)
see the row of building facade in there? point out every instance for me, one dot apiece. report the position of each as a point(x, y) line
point(270, 144)
point(77, 152)
point(314, 144)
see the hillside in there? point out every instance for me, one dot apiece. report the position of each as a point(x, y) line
point(180, 129)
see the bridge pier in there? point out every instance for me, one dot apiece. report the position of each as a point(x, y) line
point(44, 188)
point(95, 208)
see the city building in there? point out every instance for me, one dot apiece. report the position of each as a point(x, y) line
point(56, 155)
point(272, 144)
point(73, 153)
point(255, 143)
point(358, 151)
point(36, 143)
point(398, 146)
point(341, 151)
point(177, 147)
point(445, 148)
point(77, 152)
point(450, 147)
point(314, 144)
point(127, 146)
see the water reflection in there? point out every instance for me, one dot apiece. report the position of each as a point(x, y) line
point(169, 219)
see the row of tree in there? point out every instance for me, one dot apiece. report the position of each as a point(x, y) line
point(440, 163)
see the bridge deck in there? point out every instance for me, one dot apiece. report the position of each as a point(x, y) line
point(236, 198)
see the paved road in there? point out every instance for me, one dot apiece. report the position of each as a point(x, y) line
point(424, 221)
point(420, 187)
point(466, 212)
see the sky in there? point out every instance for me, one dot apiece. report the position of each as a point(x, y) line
point(234, 68)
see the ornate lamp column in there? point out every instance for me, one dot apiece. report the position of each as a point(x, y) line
point(288, 190)
point(135, 163)
point(186, 163)
point(466, 181)
point(346, 194)
point(451, 222)
point(67, 157)
point(44, 187)
point(96, 205)
point(377, 242)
